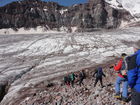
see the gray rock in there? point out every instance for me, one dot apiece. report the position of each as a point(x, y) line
point(86, 17)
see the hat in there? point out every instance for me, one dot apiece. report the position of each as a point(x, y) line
point(123, 54)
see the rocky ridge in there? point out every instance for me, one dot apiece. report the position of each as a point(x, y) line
point(93, 15)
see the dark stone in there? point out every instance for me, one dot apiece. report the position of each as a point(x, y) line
point(50, 85)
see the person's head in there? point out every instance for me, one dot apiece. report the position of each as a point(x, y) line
point(86, 70)
point(100, 68)
point(82, 70)
point(67, 73)
point(123, 55)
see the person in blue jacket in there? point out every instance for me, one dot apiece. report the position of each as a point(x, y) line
point(134, 76)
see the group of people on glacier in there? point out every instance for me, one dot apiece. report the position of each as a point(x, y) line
point(128, 74)
point(70, 78)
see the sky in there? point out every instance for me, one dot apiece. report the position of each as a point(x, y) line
point(62, 2)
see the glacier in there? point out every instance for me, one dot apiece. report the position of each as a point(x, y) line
point(29, 59)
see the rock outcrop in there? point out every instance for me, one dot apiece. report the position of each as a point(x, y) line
point(85, 17)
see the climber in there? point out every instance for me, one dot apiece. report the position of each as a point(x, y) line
point(72, 79)
point(99, 73)
point(121, 69)
point(66, 80)
point(134, 75)
point(82, 76)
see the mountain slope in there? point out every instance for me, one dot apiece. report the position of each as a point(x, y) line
point(82, 17)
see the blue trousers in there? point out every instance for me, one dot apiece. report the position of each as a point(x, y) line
point(119, 81)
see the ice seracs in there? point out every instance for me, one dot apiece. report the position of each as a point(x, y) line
point(133, 6)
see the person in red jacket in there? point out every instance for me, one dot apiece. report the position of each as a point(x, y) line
point(121, 65)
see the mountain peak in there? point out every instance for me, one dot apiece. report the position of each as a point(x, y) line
point(132, 7)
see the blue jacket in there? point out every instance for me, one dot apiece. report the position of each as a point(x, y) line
point(134, 71)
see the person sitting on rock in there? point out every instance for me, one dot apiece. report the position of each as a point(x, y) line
point(99, 73)
point(121, 78)
point(82, 76)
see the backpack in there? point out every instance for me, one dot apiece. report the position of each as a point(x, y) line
point(123, 65)
point(65, 79)
point(123, 70)
point(99, 72)
point(132, 62)
point(72, 77)
point(82, 75)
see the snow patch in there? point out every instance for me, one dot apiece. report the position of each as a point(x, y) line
point(132, 6)
point(114, 4)
point(74, 29)
point(123, 24)
point(63, 29)
point(45, 9)
point(38, 30)
point(70, 49)
point(62, 11)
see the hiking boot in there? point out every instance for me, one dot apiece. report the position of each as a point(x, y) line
point(117, 95)
point(124, 99)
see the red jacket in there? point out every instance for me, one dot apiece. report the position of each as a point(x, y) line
point(118, 67)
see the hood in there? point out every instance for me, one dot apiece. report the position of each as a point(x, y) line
point(138, 52)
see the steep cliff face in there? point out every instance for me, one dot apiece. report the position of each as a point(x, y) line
point(33, 13)
point(30, 13)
